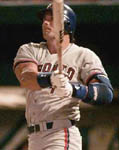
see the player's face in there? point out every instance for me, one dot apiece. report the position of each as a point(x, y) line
point(47, 27)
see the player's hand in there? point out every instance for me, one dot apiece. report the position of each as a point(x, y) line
point(59, 80)
point(64, 91)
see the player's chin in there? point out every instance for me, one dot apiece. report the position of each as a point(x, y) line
point(48, 36)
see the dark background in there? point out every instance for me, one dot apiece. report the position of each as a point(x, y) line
point(97, 29)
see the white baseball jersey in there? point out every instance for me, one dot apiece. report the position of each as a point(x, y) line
point(80, 63)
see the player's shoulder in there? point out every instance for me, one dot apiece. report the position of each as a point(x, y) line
point(82, 49)
point(84, 52)
point(32, 45)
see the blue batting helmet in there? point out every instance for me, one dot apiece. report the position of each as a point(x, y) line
point(69, 18)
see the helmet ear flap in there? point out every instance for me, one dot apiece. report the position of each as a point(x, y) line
point(69, 21)
point(67, 26)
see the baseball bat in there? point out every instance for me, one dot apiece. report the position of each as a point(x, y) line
point(58, 22)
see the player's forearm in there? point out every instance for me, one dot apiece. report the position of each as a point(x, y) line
point(34, 80)
point(29, 80)
point(27, 74)
point(100, 92)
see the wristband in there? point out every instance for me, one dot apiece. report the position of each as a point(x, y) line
point(43, 79)
point(79, 91)
point(94, 93)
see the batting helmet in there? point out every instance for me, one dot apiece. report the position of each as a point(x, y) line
point(69, 19)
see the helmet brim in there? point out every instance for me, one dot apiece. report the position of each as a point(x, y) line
point(42, 13)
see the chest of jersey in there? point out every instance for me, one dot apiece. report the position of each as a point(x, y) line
point(71, 66)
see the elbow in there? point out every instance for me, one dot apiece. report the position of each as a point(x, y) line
point(110, 95)
point(106, 96)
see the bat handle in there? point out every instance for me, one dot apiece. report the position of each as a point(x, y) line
point(52, 90)
point(60, 67)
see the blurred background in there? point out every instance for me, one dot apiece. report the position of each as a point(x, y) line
point(97, 29)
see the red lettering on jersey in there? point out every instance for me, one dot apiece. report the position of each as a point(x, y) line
point(40, 68)
point(47, 67)
point(55, 67)
point(70, 72)
point(64, 67)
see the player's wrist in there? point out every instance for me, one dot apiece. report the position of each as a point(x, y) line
point(65, 91)
point(59, 79)
point(43, 79)
point(79, 91)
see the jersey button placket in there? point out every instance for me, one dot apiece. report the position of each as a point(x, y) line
point(41, 126)
point(44, 126)
point(32, 118)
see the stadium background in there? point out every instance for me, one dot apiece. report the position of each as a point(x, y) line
point(98, 29)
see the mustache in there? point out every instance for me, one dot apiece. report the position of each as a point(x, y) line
point(46, 28)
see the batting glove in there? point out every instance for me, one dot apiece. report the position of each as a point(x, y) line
point(58, 80)
point(64, 91)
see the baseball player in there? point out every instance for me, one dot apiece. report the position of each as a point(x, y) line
point(51, 116)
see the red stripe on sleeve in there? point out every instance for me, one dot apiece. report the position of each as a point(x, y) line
point(66, 138)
